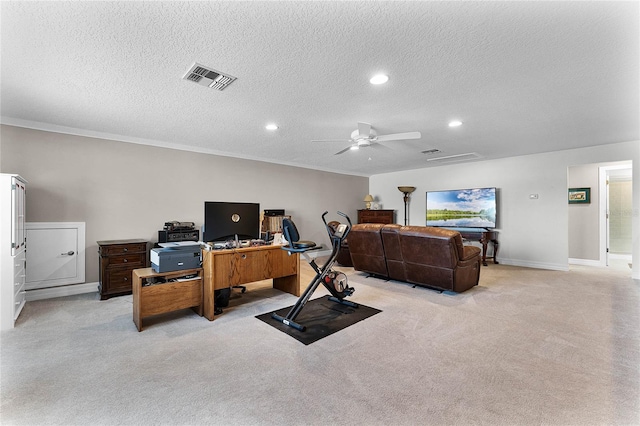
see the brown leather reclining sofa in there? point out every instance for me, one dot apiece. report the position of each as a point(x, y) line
point(422, 255)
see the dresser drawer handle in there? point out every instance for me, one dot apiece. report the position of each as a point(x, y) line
point(125, 260)
point(125, 249)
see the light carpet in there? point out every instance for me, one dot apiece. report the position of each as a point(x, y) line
point(525, 347)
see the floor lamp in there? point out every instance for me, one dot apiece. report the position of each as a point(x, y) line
point(406, 190)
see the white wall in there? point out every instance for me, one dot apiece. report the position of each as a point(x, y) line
point(532, 232)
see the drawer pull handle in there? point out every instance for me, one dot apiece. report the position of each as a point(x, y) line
point(125, 249)
point(69, 253)
point(125, 260)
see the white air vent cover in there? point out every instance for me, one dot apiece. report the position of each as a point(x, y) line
point(206, 76)
point(455, 158)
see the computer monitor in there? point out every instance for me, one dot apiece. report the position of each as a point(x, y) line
point(224, 220)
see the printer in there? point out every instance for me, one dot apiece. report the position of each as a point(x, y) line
point(175, 256)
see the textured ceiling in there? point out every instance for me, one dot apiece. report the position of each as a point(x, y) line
point(523, 77)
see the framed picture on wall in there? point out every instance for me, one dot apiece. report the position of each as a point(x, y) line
point(579, 195)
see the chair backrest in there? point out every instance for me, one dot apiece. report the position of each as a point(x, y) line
point(290, 231)
point(293, 237)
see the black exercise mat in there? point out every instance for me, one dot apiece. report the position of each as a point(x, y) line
point(322, 317)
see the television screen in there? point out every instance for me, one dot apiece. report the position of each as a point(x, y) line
point(223, 221)
point(462, 208)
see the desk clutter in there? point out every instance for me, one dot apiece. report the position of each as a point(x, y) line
point(184, 270)
point(155, 280)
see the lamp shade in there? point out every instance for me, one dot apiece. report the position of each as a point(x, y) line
point(368, 199)
point(406, 189)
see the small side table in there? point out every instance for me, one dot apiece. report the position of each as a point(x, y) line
point(174, 294)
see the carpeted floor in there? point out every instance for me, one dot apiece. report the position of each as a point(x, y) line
point(525, 347)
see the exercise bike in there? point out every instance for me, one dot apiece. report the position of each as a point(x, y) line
point(335, 282)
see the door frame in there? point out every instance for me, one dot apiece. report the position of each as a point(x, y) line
point(603, 173)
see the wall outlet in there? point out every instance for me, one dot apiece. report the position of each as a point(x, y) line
point(533, 196)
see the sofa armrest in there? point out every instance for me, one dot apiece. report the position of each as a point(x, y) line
point(469, 252)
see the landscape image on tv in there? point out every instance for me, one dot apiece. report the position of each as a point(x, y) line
point(462, 208)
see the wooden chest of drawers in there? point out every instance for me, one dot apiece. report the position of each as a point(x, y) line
point(118, 259)
point(377, 216)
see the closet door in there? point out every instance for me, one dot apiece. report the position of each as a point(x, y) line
point(55, 256)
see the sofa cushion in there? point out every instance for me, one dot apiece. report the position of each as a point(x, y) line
point(427, 245)
point(366, 249)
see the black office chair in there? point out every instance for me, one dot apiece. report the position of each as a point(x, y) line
point(293, 237)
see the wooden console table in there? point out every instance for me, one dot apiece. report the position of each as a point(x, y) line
point(484, 237)
point(165, 297)
point(232, 267)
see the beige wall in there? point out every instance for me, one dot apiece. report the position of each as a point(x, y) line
point(124, 190)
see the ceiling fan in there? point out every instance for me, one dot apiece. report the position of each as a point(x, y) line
point(365, 136)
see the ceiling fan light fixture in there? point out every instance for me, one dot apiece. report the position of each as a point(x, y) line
point(354, 147)
point(379, 79)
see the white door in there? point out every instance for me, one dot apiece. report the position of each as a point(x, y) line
point(55, 254)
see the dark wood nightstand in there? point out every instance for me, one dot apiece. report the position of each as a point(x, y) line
point(118, 259)
point(377, 216)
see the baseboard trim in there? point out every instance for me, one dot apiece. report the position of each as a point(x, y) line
point(586, 262)
point(536, 265)
point(61, 291)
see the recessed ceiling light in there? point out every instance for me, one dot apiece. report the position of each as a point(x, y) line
point(379, 79)
point(271, 127)
point(455, 123)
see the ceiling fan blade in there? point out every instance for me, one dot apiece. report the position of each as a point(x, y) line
point(331, 140)
point(344, 150)
point(400, 136)
point(364, 129)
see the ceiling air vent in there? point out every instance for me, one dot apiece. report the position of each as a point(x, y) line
point(209, 77)
point(456, 158)
point(431, 151)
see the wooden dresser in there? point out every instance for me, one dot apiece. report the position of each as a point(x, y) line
point(377, 216)
point(118, 259)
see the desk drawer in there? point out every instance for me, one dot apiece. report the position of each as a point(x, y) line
point(117, 249)
point(133, 261)
point(120, 280)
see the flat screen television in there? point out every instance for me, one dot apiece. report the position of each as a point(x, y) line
point(462, 208)
point(224, 220)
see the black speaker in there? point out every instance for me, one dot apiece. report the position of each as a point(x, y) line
point(274, 212)
point(174, 236)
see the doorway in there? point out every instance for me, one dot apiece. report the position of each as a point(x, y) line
point(616, 206)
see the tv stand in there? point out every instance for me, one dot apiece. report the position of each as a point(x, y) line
point(484, 236)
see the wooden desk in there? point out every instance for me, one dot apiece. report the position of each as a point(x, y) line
point(227, 268)
point(166, 297)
